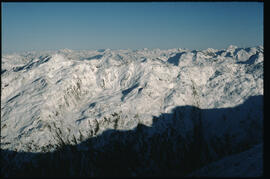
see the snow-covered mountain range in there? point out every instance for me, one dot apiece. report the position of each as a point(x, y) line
point(66, 97)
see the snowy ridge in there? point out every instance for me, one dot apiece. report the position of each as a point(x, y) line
point(74, 91)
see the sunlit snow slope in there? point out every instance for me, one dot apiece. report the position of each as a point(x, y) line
point(70, 93)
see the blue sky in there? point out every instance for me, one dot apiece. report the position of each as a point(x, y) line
point(164, 25)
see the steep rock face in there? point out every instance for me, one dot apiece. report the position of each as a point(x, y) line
point(65, 97)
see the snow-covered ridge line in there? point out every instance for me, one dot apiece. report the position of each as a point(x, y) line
point(76, 90)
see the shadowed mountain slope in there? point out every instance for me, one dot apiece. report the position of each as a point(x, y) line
point(176, 144)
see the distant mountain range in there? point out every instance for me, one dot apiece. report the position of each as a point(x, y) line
point(176, 110)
